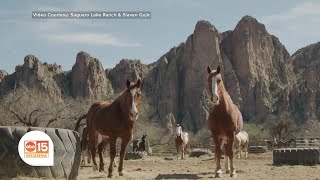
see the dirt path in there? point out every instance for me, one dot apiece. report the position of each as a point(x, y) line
point(254, 167)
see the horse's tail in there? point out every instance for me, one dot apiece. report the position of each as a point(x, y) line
point(77, 126)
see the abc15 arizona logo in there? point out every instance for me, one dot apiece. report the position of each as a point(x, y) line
point(36, 149)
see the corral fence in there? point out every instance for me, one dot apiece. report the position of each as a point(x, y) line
point(256, 145)
point(307, 142)
point(298, 142)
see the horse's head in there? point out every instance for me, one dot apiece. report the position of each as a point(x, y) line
point(214, 80)
point(133, 99)
point(144, 137)
point(178, 129)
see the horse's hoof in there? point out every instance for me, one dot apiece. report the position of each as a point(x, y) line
point(227, 171)
point(121, 173)
point(218, 175)
point(110, 176)
point(234, 175)
point(101, 170)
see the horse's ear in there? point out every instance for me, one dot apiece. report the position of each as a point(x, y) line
point(209, 70)
point(138, 83)
point(218, 69)
point(128, 83)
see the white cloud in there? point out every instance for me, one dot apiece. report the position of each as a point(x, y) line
point(300, 11)
point(91, 38)
point(297, 26)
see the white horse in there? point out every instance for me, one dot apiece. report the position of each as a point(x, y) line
point(182, 139)
point(241, 143)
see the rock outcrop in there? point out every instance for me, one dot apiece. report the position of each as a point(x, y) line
point(126, 70)
point(89, 79)
point(304, 97)
point(86, 80)
point(259, 64)
point(256, 69)
point(3, 74)
point(177, 84)
point(34, 74)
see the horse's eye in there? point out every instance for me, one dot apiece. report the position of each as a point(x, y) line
point(218, 81)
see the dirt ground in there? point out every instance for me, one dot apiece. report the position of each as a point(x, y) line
point(256, 166)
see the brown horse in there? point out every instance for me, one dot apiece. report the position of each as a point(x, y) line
point(114, 120)
point(224, 121)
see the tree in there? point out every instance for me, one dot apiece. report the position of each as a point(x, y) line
point(30, 107)
point(281, 127)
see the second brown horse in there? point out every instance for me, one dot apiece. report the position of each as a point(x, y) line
point(114, 120)
point(224, 121)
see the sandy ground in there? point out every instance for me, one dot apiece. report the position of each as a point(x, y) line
point(256, 166)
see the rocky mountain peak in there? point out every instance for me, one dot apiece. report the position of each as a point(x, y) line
point(3, 74)
point(31, 61)
point(306, 57)
point(204, 26)
point(89, 78)
point(126, 69)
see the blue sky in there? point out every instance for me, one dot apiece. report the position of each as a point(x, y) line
point(296, 23)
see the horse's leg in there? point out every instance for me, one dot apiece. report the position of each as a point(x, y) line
point(177, 147)
point(217, 153)
point(83, 161)
point(100, 151)
point(89, 155)
point(93, 150)
point(226, 158)
point(229, 152)
point(105, 152)
point(113, 152)
point(246, 149)
point(182, 151)
point(124, 142)
point(93, 157)
point(238, 150)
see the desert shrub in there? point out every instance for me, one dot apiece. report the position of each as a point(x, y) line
point(255, 130)
point(281, 127)
point(202, 137)
point(30, 107)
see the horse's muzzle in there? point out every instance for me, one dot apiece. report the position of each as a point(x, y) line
point(134, 115)
point(215, 100)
